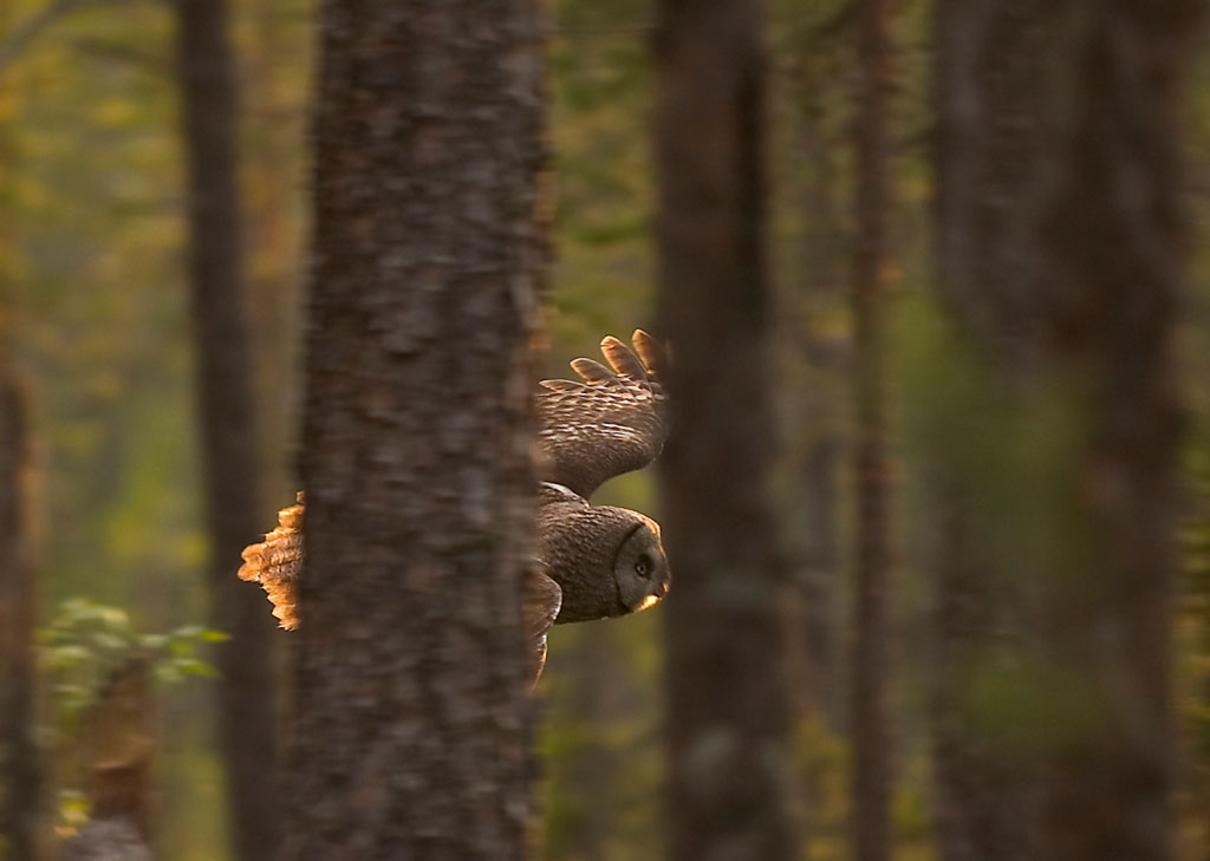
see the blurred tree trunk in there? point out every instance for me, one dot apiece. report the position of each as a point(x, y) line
point(226, 412)
point(728, 704)
point(273, 110)
point(814, 358)
point(410, 736)
point(871, 742)
point(118, 743)
point(1061, 254)
point(19, 778)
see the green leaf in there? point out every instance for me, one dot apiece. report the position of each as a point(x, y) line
point(194, 667)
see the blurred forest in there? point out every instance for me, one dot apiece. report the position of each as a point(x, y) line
point(97, 339)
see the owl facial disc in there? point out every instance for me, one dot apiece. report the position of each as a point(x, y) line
point(640, 568)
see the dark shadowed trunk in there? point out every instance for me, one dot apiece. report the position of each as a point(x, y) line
point(871, 742)
point(410, 737)
point(226, 414)
point(1061, 255)
point(18, 755)
point(727, 694)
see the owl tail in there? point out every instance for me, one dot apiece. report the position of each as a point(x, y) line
point(276, 562)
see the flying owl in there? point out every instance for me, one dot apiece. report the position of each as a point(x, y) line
point(590, 561)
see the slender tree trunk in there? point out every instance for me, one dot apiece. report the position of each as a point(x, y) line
point(19, 783)
point(410, 736)
point(728, 702)
point(226, 412)
point(818, 360)
point(1060, 248)
point(871, 742)
point(987, 788)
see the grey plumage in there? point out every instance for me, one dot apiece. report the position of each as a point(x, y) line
point(591, 562)
point(592, 552)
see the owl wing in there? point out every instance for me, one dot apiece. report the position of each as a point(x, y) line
point(541, 601)
point(276, 562)
point(610, 422)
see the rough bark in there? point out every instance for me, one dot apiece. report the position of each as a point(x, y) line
point(1061, 254)
point(226, 412)
point(870, 732)
point(410, 734)
point(727, 698)
point(19, 781)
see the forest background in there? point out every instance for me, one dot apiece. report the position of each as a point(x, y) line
point(95, 307)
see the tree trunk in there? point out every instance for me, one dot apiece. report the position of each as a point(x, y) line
point(19, 783)
point(411, 730)
point(727, 709)
point(1060, 249)
point(987, 787)
point(118, 746)
point(816, 361)
point(871, 742)
point(246, 722)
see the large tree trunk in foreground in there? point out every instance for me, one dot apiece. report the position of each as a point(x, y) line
point(726, 687)
point(19, 784)
point(1060, 247)
point(228, 430)
point(871, 738)
point(410, 738)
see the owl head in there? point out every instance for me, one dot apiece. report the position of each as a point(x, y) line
point(640, 568)
point(608, 561)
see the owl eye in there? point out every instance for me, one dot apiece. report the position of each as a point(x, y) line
point(642, 566)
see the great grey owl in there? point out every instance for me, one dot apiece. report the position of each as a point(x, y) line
point(590, 561)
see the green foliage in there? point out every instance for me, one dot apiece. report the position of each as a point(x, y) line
point(86, 642)
point(80, 651)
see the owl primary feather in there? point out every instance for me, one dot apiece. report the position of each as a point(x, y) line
point(590, 561)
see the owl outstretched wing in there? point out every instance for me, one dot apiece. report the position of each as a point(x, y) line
point(276, 562)
point(609, 422)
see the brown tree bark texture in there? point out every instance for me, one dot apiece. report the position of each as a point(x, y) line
point(1060, 241)
point(226, 412)
point(871, 734)
point(410, 733)
point(727, 698)
point(19, 778)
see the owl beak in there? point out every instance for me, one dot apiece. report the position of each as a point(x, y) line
point(649, 601)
